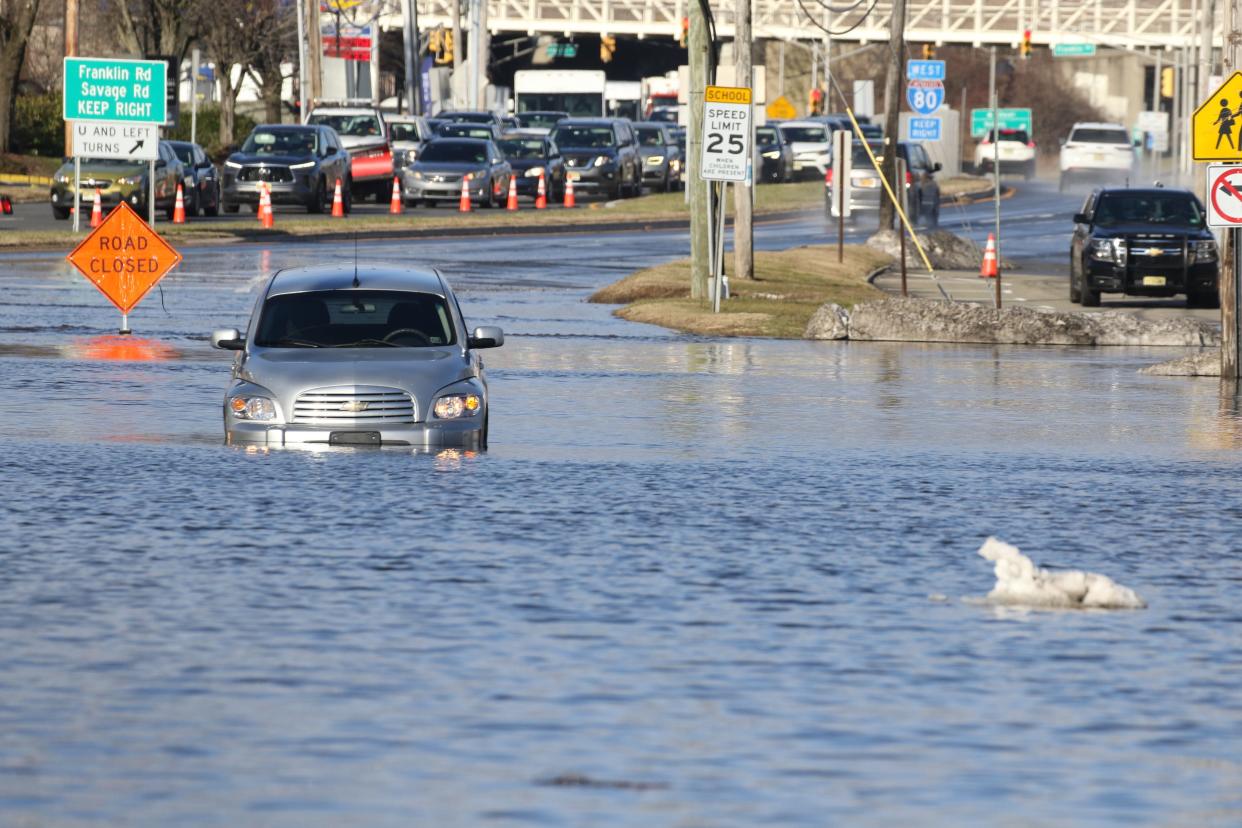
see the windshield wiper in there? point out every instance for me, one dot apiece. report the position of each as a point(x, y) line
point(296, 343)
point(365, 342)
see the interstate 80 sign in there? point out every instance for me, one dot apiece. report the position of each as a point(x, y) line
point(726, 133)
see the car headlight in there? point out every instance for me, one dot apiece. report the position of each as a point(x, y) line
point(479, 176)
point(251, 407)
point(675, 164)
point(416, 175)
point(601, 160)
point(456, 406)
point(655, 159)
point(535, 172)
point(129, 180)
point(1109, 250)
point(305, 165)
point(62, 179)
point(233, 165)
point(1202, 251)
point(772, 154)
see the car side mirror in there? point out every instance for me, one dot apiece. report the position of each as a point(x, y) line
point(936, 167)
point(1081, 218)
point(487, 336)
point(227, 339)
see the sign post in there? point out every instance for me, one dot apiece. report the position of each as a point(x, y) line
point(120, 93)
point(124, 258)
point(839, 194)
point(727, 130)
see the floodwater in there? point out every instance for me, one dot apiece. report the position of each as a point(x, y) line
point(694, 582)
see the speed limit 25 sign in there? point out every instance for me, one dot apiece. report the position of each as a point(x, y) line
point(726, 133)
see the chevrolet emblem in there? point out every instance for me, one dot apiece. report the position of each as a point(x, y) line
point(354, 406)
point(1154, 251)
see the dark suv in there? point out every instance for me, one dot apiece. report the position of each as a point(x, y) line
point(1143, 242)
point(601, 154)
point(300, 164)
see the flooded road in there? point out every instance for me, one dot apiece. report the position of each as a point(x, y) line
point(693, 583)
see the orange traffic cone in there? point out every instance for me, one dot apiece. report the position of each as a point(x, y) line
point(97, 211)
point(394, 206)
point(179, 208)
point(265, 207)
point(512, 203)
point(338, 205)
point(569, 193)
point(463, 206)
point(989, 270)
point(541, 195)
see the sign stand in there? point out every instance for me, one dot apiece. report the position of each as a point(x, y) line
point(77, 192)
point(726, 155)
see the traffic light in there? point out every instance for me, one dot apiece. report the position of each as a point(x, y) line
point(440, 44)
point(1025, 49)
point(685, 31)
point(607, 45)
point(1167, 77)
point(929, 52)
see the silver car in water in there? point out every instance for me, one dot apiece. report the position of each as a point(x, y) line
point(371, 355)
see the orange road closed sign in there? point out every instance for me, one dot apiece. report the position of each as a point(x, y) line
point(124, 258)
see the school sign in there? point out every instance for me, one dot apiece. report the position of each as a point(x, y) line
point(1216, 126)
point(117, 90)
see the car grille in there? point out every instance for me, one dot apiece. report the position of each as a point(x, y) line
point(354, 404)
point(444, 178)
point(571, 161)
point(101, 183)
point(1154, 253)
point(275, 174)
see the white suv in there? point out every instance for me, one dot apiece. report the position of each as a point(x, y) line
point(1016, 151)
point(1097, 150)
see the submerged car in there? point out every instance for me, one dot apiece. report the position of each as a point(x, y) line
point(1143, 242)
point(367, 355)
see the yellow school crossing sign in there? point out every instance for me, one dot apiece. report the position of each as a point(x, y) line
point(1216, 126)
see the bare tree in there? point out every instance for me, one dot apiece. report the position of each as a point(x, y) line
point(17, 19)
point(156, 27)
point(276, 49)
point(233, 32)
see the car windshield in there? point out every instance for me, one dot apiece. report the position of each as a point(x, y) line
point(871, 130)
point(404, 132)
point(859, 157)
point(455, 152)
point(1100, 135)
point(355, 319)
point(184, 153)
point(766, 136)
point(579, 136)
point(1157, 208)
point(522, 148)
point(539, 120)
point(650, 136)
point(467, 117)
point(356, 125)
point(1018, 135)
point(816, 135)
point(465, 131)
point(280, 142)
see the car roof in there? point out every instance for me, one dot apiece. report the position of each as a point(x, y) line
point(459, 139)
point(588, 121)
point(1097, 125)
point(444, 113)
point(652, 124)
point(343, 110)
point(403, 119)
point(525, 134)
point(340, 276)
point(1143, 191)
point(288, 127)
point(803, 123)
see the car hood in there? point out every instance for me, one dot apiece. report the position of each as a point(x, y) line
point(269, 160)
point(353, 142)
point(523, 164)
point(421, 372)
point(1150, 231)
point(647, 152)
point(809, 146)
point(108, 171)
point(456, 167)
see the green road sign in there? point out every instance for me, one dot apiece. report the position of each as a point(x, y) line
point(981, 120)
point(1073, 50)
point(107, 89)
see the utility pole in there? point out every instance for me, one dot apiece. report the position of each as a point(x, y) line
point(314, 54)
point(409, 38)
point(1230, 290)
point(892, 102)
point(456, 33)
point(699, 57)
point(71, 50)
point(743, 197)
point(996, 176)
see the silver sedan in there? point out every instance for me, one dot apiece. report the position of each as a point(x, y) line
point(376, 356)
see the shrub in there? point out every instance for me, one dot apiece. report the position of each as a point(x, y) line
point(37, 126)
point(209, 129)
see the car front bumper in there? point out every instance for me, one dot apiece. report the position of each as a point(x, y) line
point(298, 191)
point(423, 190)
point(594, 178)
point(1145, 280)
point(62, 196)
point(464, 433)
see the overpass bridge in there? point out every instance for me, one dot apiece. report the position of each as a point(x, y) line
point(1119, 23)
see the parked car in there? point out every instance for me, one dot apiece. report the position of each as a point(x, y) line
point(364, 136)
point(437, 174)
point(1097, 151)
point(775, 154)
point(866, 192)
point(601, 155)
point(349, 354)
point(301, 165)
point(119, 181)
point(1015, 148)
point(661, 157)
point(202, 192)
point(812, 147)
point(1143, 242)
point(406, 136)
point(468, 129)
point(540, 121)
point(471, 117)
point(529, 154)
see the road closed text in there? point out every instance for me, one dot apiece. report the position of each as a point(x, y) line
point(129, 255)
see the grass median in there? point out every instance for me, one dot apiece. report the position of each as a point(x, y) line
point(791, 285)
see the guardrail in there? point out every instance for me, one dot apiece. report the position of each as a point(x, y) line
point(28, 180)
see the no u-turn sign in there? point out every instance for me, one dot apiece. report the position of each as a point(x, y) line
point(1224, 195)
point(726, 133)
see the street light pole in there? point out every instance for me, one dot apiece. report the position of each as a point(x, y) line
point(996, 187)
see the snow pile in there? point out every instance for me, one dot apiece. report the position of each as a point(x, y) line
point(1020, 582)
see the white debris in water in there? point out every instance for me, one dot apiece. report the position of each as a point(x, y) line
point(1020, 582)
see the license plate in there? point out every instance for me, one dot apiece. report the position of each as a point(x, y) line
point(575, 176)
point(1154, 281)
point(354, 438)
point(868, 182)
point(1098, 156)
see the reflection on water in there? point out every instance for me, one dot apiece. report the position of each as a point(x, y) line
point(121, 348)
